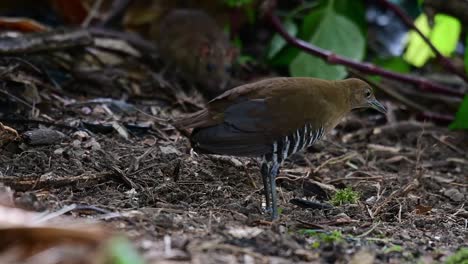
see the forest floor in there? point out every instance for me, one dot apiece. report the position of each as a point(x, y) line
point(411, 178)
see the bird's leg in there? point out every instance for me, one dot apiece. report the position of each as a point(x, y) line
point(265, 171)
point(274, 169)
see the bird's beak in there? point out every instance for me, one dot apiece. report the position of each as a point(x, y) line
point(373, 103)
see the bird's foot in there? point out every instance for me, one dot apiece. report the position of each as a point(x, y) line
point(269, 211)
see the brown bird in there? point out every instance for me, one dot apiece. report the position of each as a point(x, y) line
point(192, 42)
point(274, 118)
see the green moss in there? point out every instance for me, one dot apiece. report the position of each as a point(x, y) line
point(345, 196)
point(334, 236)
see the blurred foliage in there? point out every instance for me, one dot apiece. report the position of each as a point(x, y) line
point(237, 3)
point(121, 251)
point(411, 7)
point(461, 118)
point(460, 257)
point(396, 64)
point(444, 35)
point(246, 5)
point(329, 27)
point(277, 42)
point(466, 55)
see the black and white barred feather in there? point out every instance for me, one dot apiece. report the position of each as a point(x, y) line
point(297, 141)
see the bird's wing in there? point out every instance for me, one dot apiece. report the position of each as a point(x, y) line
point(248, 128)
point(238, 133)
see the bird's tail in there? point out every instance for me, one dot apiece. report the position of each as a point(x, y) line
point(197, 119)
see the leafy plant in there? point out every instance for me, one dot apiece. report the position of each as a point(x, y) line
point(327, 27)
point(461, 118)
point(336, 25)
point(345, 196)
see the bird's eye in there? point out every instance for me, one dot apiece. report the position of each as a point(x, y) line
point(209, 67)
point(367, 93)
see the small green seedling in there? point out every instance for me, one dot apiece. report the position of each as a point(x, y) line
point(121, 251)
point(334, 236)
point(345, 196)
point(394, 248)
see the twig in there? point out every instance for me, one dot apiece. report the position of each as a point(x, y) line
point(136, 162)
point(436, 117)
point(48, 216)
point(365, 67)
point(35, 182)
point(115, 13)
point(398, 193)
point(92, 13)
point(49, 41)
point(132, 38)
point(370, 178)
point(373, 227)
point(33, 121)
point(409, 23)
point(336, 160)
point(14, 97)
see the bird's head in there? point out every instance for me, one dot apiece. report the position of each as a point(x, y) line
point(361, 95)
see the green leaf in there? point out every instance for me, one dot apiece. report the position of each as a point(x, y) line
point(277, 42)
point(285, 57)
point(121, 251)
point(461, 118)
point(396, 64)
point(355, 10)
point(324, 27)
point(417, 52)
point(444, 36)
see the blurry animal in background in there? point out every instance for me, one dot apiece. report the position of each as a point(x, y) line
point(192, 43)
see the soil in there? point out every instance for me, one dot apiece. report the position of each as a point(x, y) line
point(179, 207)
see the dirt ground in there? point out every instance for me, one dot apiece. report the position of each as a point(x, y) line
point(179, 207)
